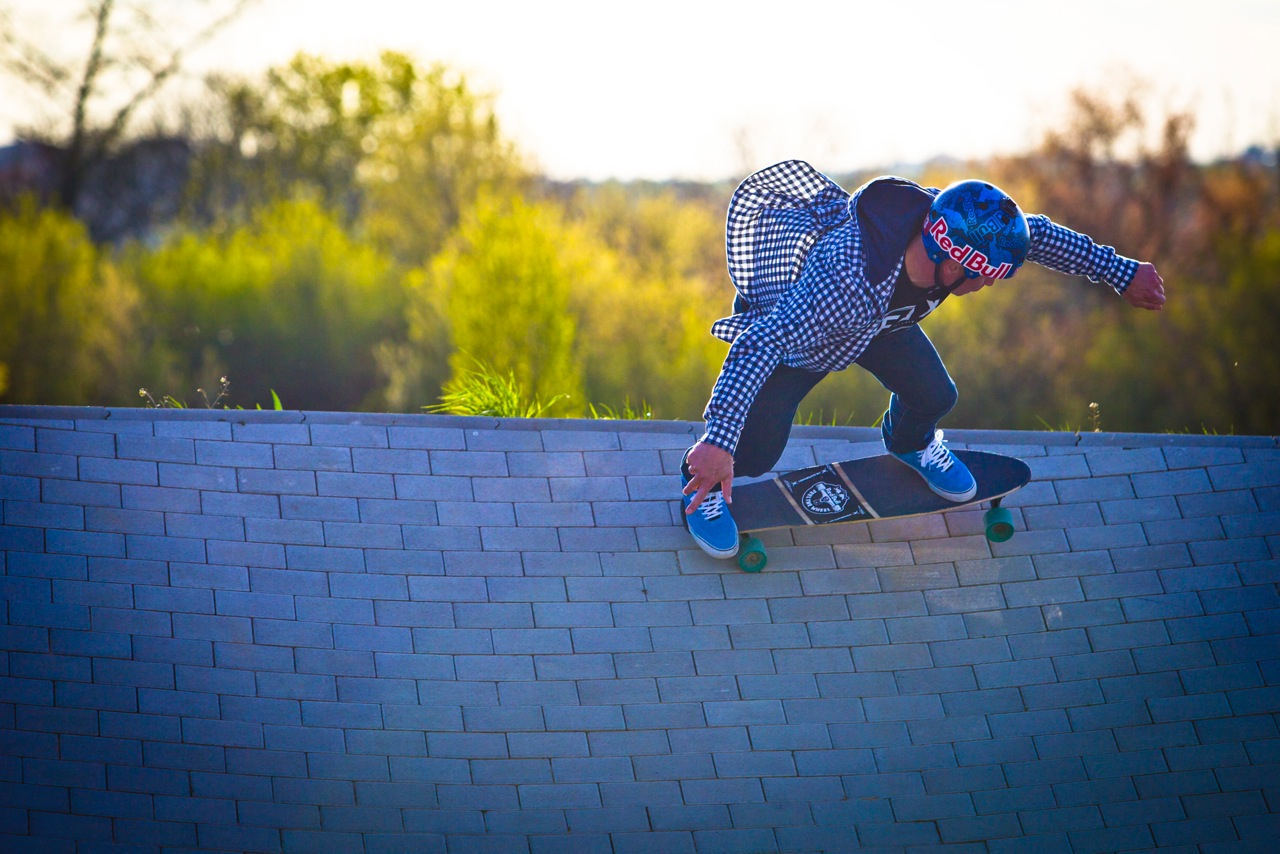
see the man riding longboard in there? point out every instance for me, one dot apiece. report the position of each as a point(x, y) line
point(826, 279)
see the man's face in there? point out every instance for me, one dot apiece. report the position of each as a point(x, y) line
point(952, 274)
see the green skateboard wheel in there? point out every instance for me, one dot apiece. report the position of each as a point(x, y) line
point(751, 555)
point(999, 523)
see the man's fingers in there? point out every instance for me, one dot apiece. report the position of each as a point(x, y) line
point(1154, 293)
point(727, 487)
point(697, 500)
point(1148, 295)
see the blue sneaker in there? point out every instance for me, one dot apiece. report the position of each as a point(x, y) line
point(942, 470)
point(712, 525)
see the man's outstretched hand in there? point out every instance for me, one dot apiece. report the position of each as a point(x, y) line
point(1146, 290)
point(709, 466)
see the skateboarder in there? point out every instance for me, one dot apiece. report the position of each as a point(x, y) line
point(826, 279)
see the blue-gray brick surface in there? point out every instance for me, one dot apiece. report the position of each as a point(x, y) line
point(316, 631)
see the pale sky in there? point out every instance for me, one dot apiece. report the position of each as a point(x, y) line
point(710, 89)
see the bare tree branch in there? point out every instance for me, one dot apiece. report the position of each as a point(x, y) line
point(24, 60)
point(129, 60)
point(165, 71)
point(93, 66)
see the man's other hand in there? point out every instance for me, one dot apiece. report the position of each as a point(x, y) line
point(709, 466)
point(1146, 290)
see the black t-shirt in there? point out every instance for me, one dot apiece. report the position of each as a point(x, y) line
point(909, 304)
point(890, 213)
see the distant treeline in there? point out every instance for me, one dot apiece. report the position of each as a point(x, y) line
point(352, 236)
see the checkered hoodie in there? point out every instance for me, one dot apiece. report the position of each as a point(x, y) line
point(796, 252)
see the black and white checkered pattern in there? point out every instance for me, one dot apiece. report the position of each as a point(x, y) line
point(1075, 254)
point(774, 218)
point(795, 252)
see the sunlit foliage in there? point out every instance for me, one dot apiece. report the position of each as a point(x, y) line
point(66, 314)
point(362, 235)
point(289, 301)
point(503, 287)
point(399, 151)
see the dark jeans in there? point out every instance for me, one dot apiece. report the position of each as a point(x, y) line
point(905, 363)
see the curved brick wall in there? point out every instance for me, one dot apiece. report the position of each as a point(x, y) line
point(260, 631)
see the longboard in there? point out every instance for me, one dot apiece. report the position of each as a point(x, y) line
point(862, 490)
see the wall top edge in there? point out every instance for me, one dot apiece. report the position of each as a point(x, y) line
point(11, 414)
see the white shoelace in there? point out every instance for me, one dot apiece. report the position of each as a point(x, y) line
point(936, 455)
point(712, 506)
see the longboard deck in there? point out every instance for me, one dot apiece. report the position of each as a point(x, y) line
point(862, 490)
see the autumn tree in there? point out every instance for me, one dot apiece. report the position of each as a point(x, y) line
point(1114, 168)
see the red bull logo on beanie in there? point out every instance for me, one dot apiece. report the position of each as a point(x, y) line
point(966, 256)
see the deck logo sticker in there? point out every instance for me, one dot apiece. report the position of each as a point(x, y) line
point(821, 496)
point(823, 499)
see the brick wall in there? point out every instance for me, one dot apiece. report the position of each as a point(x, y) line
point(259, 631)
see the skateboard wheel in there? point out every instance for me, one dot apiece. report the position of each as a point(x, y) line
point(999, 524)
point(751, 555)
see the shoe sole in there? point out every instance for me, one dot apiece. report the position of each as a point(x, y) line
point(958, 497)
point(716, 553)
